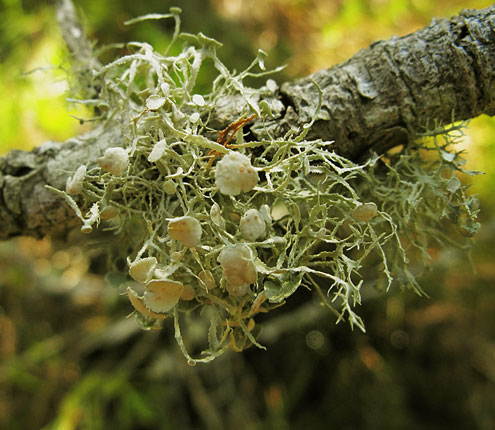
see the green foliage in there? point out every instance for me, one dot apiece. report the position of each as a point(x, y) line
point(33, 109)
point(323, 219)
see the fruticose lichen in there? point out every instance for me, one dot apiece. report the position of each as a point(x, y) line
point(234, 229)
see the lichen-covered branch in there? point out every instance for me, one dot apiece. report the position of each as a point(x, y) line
point(386, 94)
point(225, 203)
point(27, 208)
point(383, 96)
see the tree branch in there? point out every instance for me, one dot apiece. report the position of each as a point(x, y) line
point(378, 99)
point(386, 94)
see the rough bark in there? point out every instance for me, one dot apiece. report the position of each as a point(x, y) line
point(385, 94)
point(27, 208)
point(378, 99)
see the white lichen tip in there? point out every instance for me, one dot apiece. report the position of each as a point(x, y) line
point(265, 212)
point(75, 183)
point(252, 225)
point(235, 174)
point(186, 230)
point(161, 295)
point(238, 268)
point(155, 102)
point(198, 100)
point(158, 150)
point(115, 160)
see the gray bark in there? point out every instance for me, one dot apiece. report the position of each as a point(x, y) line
point(385, 94)
point(381, 97)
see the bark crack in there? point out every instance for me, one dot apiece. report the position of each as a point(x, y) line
point(406, 108)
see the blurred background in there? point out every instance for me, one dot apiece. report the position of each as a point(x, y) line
point(69, 357)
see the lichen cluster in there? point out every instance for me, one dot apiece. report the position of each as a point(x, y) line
point(231, 228)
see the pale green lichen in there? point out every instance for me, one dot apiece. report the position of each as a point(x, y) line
point(321, 220)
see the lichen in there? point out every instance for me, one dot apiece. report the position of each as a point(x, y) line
point(301, 216)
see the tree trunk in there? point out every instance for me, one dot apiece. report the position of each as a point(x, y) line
point(381, 97)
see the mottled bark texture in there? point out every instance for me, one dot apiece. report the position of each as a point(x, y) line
point(27, 208)
point(381, 97)
point(386, 94)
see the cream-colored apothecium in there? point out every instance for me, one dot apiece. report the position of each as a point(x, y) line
point(238, 267)
point(115, 160)
point(142, 270)
point(185, 229)
point(161, 295)
point(365, 212)
point(235, 174)
point(252, 225)
point(75, 183)
point(207, 279)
